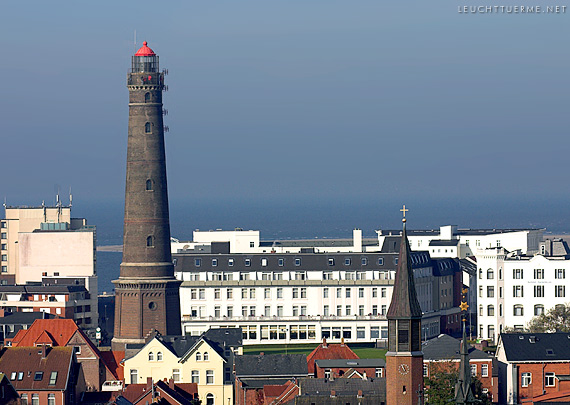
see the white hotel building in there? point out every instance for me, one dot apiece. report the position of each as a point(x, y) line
point(302, 291)
point(514, 287)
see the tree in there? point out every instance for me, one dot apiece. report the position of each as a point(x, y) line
point(555, 319)
point(440, 385)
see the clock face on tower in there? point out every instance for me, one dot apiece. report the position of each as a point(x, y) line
point(404, 369)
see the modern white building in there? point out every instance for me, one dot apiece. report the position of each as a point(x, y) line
point(302, 291)
point(45, 245)
point(514, 287)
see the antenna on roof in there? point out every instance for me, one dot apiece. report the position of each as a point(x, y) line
point(70, 198)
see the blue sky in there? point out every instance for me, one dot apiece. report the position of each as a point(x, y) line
point(291, 100)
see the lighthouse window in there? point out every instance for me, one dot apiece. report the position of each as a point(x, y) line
point(149, 185)
point(147, 128)
point(147, 98)
point(150, 241)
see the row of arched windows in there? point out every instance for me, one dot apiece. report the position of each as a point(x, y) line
point(199, 357)
point(151, 356)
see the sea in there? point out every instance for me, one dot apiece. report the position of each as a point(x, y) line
point(287, 219)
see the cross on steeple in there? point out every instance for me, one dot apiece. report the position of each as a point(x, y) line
point(404, 210)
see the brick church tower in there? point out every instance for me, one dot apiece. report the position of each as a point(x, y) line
point(146, 294)
point(404, 359)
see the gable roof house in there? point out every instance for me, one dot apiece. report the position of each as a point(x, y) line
point(342, 391)
point(41, 374)
point(328, 351)
point(533, 367)
point(66, 333)
point(205, 360)
point(444, 351)
point(259, 377)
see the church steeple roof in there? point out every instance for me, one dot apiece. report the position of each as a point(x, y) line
point(463, 389)
point(404, 298)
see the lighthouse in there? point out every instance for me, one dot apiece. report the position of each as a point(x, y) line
point(146, 294)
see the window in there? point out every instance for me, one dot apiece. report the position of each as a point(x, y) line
point(374, 309)
point(244, 293)
point(361, 310)
point(51, 399)
point(247, 262)
point(303, 292)
point(297, 261)
point(360, 332)
point(229, 293)
point(526, 379)
point(327, 373)
point(378, 373)
point(539, 291)
point(149, 185)
point(280, 292)
point(24, 399)
point(300, 275)
point(518, 310)
point(209, 376)
point(206, 356)
point(196, 376)
point(38, 375)
point(134, 376)
point(550, 379)
point(331, 261)
point(267, 293)
point(326, 310)
point(380, 261)
point(252, 293)
point(383, 310)
point(361, 293)
point(295, 310)
point(560, 273)
point(147, 128)
point(198, 356)
point(490, 274)
point(518, 274)
point(325, 292)
point(230, 262)
point(484, 370)
point(474, 370)
point(214, 262)
point(20, 375)
point(348, 309)
point(267, 311)
point(339, 292)
point(560, 291)
point(230, 311)
point(197, 262)
point(518, 291)
point(217, 293)
point(490, 310)
point(295, 293)
point(35, 399)
point(280, 311)
point(176, 374)
point(150, 356)
point(150, 241)
point(538, 274)
point(327, 275)
point(490, 291)
point(281, 262)
point(538, 309)
point(480, 272)
point(348, 292)
point(426, 374)
point(303, 310)
point(480, 310)
point(383, 292)
point(347, 261)
point(13, 376)
point(3, 235)
point(364, 261)
point(480, 291)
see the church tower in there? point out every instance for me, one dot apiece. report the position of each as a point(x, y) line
point(404, 359)
point(146, 294)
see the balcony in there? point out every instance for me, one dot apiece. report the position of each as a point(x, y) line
point(301, 318)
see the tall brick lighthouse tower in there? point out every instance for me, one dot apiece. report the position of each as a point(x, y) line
point(146, 293)
point(404, 359)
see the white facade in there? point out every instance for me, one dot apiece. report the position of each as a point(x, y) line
point(514, 288)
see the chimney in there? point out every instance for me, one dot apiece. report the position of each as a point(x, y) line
point(357, 240)
point(364, 376)
point(325, 343)
point(171, 383)
point(45, 351)
point(359, 393)
point(261, 353)
point(342, 341)
point(148, 383)
point(333, 393)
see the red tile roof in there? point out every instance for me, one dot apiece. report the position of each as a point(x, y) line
point(28, 361)
point(61, 330)
point(44, 339)
point(327, 351)
point(113, 361)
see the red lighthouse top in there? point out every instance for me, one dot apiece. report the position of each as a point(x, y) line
point(145, 51)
